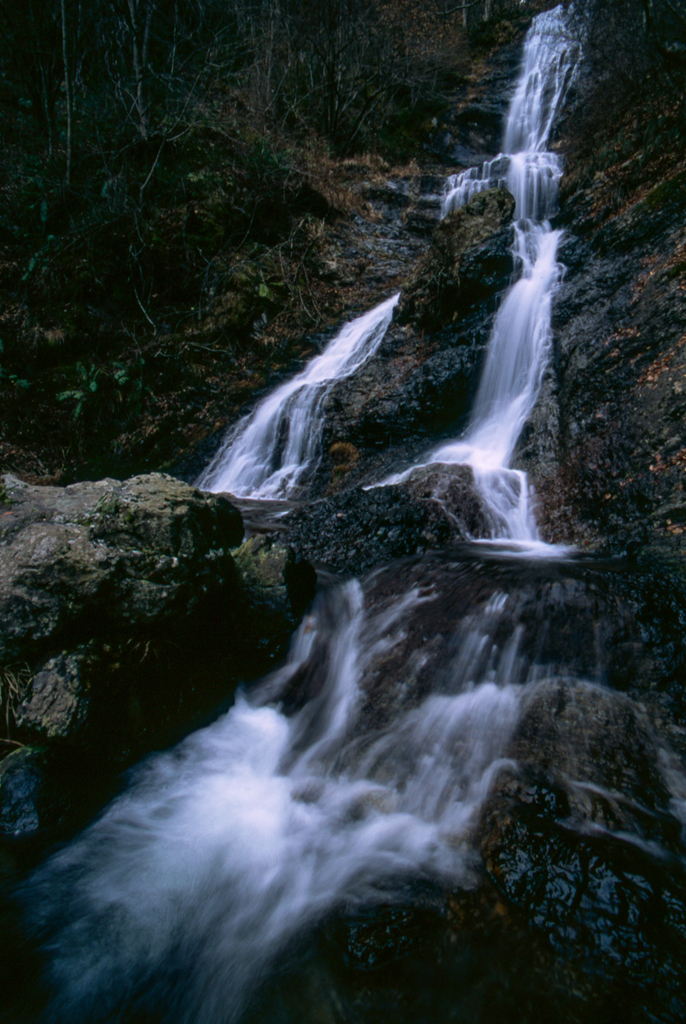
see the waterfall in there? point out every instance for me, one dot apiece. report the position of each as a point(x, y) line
point(270, 451)
point(517, 352)
point(176, 904)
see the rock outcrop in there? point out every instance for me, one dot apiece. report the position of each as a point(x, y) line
point(470, 256)
point(117, 597)
point(277, 585)
point(99, 582)
point(124, 621)
point(420, 383)
point(357, 530)
point(472, 131)
point(570, 834)
point(606, 444)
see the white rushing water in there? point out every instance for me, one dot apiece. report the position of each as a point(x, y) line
point(178, 901)
point(183, 894)
point(518, 350)
point(269, 451)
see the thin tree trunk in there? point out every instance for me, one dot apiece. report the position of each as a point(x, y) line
point(139, 59)
point(46, 108)
point(67, 89)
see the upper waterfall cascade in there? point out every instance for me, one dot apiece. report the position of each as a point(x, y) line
point(519, 346)
point(269, 452)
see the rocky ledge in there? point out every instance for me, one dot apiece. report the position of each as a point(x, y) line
point(605, 445)
point(358, 530)
point(125, 619)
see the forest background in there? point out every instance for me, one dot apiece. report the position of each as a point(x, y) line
point(171, 171)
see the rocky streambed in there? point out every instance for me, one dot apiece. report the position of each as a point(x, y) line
point(510, 758)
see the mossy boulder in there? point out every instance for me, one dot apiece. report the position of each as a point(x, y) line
point(277, 585)
point(106, 588)
point(145, 549)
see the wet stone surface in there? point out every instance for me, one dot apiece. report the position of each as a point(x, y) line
point(357, 530)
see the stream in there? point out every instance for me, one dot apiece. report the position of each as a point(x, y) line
point(448, 804)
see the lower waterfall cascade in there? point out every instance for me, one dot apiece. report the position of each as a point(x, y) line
point(315, 854)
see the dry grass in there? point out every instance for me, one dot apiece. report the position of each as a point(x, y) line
point(14, 682)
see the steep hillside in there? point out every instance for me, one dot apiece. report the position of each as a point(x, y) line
point(177, 235)
point(606, 444)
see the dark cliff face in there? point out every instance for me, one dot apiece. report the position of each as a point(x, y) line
point(607, 442)
point(473, 129)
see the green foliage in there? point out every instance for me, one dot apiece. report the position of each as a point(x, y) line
point(88, 385)
point(102, 388)
point(7, 377)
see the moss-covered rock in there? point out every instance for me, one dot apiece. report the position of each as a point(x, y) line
point(277, 587)
point(105, 588)
point(144, 549)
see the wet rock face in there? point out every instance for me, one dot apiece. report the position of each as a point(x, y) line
point(569, 836)
point(614, 475)
point(473, 130)
point(470, 255)
point(583, 620)
point(277, 586)
point(358, 530)
point(577, 903)
point(36, 790)
point(415, 389)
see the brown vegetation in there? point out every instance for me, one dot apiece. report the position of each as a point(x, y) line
point(170, 178)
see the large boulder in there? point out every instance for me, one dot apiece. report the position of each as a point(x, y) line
point(104, 587)
point(143, 550)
